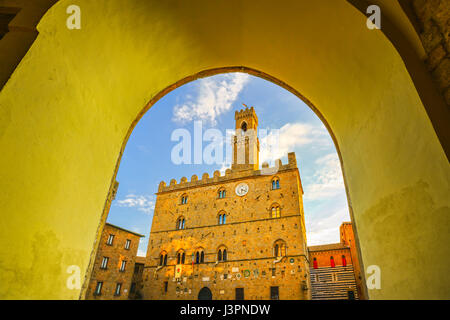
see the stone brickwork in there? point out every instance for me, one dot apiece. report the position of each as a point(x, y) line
point(249, 235)
point(434, 20)
point(348, 239)
point(112, 275)
point(136, 280)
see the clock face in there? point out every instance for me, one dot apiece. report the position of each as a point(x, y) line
point(241, 189)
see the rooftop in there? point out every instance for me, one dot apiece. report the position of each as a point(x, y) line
point(331, 246)
point(137, 234)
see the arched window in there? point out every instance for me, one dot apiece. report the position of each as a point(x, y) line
point(344, 261)
point(199, 256)
point(180, 223)
point(315, 263)
point(243, 127)
point(222, 218)
point(279, 248)
point(332, 262)
point(222, 193)
point(275, 183)
point(163, 259)
point(184, 199)
point(275, 211)
point(181, 256)
point(222, 254)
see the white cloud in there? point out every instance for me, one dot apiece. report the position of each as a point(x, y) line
point(144, 203)
point(326, 230)
point(215, 96)
point(277, 143)
point(328, 180)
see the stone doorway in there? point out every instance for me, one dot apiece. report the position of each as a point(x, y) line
point(205, 294)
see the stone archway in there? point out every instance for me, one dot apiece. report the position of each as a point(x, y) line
point(57, 174)
point(205, 294)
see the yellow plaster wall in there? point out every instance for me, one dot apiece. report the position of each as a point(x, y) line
point(66, 110)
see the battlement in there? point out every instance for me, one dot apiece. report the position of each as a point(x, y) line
point(246, 113)
point(229, 175)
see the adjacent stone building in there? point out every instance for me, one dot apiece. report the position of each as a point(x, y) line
point(136, 280)
point(335, 271)
point(114, 264)
point(240, 235)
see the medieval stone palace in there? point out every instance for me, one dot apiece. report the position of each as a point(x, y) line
point(235, 236)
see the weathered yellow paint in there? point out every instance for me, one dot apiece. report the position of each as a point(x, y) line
point(67, 108)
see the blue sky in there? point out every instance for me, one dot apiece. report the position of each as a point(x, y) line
point(213, 101)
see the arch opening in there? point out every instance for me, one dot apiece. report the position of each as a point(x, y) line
point(273, 183)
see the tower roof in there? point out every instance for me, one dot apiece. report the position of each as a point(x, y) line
point(246, 113)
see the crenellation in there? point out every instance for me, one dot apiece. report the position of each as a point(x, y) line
point(278, 163)
point(292, 161)
point(229, 175)
point(162, 186)
point(245, 113)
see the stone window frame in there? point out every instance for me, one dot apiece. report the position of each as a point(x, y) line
point(118, 288)
point(199, 255)
point(123, 266)
point(128, 244)
point(275, 183)
point(104, 265)
point(181, 256)
point(163, 258)
point(222, 253)
point(110, 240)
point(98, 288)
point(275, 206)
point(221, 193)
point(222, 217)
point(181, 223)
point(279, 248)
point(184, 199)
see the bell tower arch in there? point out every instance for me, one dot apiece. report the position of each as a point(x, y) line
point(245, 143)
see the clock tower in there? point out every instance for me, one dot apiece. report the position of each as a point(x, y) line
point(245, 143)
